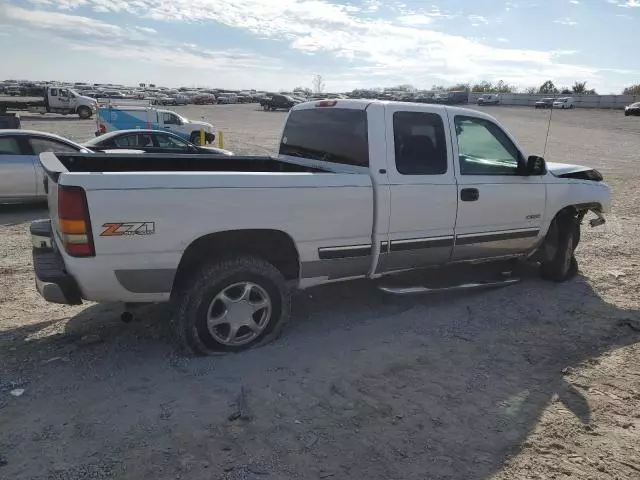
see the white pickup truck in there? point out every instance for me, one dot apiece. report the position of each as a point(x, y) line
point(359, 189)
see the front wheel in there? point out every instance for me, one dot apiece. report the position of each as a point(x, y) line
point(559, 263)
point(195, 137)
point(231, 305)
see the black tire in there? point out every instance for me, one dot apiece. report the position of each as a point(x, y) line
point(197, 294)
point(559, 263)
point(210, 137)
point(195, 137)
point(84, 112)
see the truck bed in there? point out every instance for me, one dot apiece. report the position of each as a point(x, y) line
point(20, 103)
point(127, 162)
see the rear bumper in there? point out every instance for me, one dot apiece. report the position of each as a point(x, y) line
point(52, 280)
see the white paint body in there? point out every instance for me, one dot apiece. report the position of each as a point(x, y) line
point(350, 206)
point(564, 103)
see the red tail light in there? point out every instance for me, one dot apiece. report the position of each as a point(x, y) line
point(103, 129)
point(327, 103)
point(74, 222)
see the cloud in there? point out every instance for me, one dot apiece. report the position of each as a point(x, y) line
point(409, 46)
point(415, 19)
point(135, 43)
point(146, 29)
point(566, 21)
point(630, 4)
point(502, 40)
point(477, 20)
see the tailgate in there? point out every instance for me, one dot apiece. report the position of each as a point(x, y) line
point(52, 168)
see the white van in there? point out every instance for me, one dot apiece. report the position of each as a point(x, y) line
point(110, 118)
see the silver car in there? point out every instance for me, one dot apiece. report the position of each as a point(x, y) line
point(21, 176)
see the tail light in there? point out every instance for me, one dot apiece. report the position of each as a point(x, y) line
point(103, 129)
point(74, 222)
point(327, 103)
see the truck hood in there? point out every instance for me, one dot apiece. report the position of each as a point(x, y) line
point(563, 168)
point(207, 126)
point(566, 170)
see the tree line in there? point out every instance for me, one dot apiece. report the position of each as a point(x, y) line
point(546, 88)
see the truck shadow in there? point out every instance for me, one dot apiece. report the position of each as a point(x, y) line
point(362, 384)
point(49, 118)
point(15, 214)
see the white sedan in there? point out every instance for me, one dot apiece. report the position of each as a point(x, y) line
point(21, 176)
point(563, 102)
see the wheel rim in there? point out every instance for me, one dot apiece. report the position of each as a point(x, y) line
point(239, 313)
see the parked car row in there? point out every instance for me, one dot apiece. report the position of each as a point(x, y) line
point(21, 176)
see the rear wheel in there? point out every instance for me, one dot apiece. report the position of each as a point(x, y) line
point(559, 263)
point(231, 305)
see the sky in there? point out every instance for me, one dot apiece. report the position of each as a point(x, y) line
point(282, 44)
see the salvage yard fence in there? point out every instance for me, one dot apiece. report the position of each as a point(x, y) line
point(580, 101)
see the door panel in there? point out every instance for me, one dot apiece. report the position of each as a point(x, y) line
point(422, 188)
point(17, 169)
point(500, 211)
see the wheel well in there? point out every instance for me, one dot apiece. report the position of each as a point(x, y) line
point(274, 246)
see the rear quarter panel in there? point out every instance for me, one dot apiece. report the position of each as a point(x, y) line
point(316, 210)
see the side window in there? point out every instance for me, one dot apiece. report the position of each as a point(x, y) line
point(9, 146)
point(133, 141)
point(41, 145)
point(54, 92)
point(167, 141)
point(170, 119)
point(420, 144)
point(484, 148)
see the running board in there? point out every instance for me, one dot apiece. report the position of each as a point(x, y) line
point(464, 286)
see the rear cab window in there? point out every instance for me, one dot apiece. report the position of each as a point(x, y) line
point(336, 135)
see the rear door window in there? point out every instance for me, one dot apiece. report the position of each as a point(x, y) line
point(337, 135)
point(9, 146)
point(41, 145)
point(420, 144)
point(168, 141)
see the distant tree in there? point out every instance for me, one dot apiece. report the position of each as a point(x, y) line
point(318, 84)
point(632, 90)
point(483, 87)
point(303, 90)
point(579, 88)
point(503, 87)
point(566, 91)
point(437, 87)
point(548, 88)
point(531, 90)
point(460, 87)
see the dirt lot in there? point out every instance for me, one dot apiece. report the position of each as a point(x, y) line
point(537, 380)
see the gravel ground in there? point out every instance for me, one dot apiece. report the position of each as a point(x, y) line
point(537, 380)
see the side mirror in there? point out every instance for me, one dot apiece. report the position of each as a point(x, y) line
point(536, 166)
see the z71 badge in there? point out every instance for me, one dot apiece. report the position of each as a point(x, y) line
point(128, 228)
